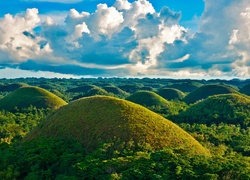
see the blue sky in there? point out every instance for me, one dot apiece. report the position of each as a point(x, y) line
point(121, 38)
point(190, 9)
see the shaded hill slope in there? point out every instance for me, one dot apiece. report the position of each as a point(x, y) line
point(245, 89)
point(11, 87)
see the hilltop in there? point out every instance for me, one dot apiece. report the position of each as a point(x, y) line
point(227, 108)
point(81, 89)
point(245, 89)
point(11, 87)
point(185, 86)
point(116, 91)
point(30, 95)
point(148, 99)
point(171, 93)
point(100, 119)
point(208, 90)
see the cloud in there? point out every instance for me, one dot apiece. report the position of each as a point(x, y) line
point(220, 47)
point(130, 39)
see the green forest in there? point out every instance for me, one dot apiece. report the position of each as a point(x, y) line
point(124, 128)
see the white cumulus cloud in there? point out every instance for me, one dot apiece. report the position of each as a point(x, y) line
point(130, 38)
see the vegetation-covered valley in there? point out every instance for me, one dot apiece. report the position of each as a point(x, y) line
point(121, 128)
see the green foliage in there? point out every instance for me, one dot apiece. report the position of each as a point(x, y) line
point(41, 159)
point(96, 120)
point(14, 126)
point(56, 158)
point(221, 138)
point(171, 94)
point(227, 108)
point(165, 164)
point(208, 90)
point(26, 96)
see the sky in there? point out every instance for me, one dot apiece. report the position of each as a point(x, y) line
point(197, 39)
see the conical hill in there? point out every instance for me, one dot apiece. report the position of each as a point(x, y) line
point(81, 89)
point(11, 87)
point(101, 119)
point(148, 99)
point(171, 93)
point(226, 108)
point(206, 91)
point(245, 89)
point(26, 96)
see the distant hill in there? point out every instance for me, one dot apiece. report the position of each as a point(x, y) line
point(35, 96)
point(185, 86)
point(116, 91)
point(11, 87)
point(206, 91)
point(227, 108)
point(81, 89)
point(96, 91)
point(245, 89)
point(171, 93)
point(130, 88)
point(148, 99)
point(92, 92)
point(96, 120)
point(147, 88)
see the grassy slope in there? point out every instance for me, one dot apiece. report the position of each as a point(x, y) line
point(116, 91)
point(171, 93)
point(206, 91)
point(100, 119)
point(148, 99)
point(26, 96)
point(11, 87)
point(245, 89)
point(228, 108)
point(185, 86)
point(81, 89)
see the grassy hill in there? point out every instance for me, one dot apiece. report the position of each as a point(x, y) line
point(171, 93)
point(148, 99)
point(11, 87)
point(227, 108)
point(147, 88)
point(26, 96)
point(185, 86)
point(116, 91)
point(245, 89)
point(95, 91)
point(96, 120)
point(81, 89)
point(206, 91)
point(130, 88)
